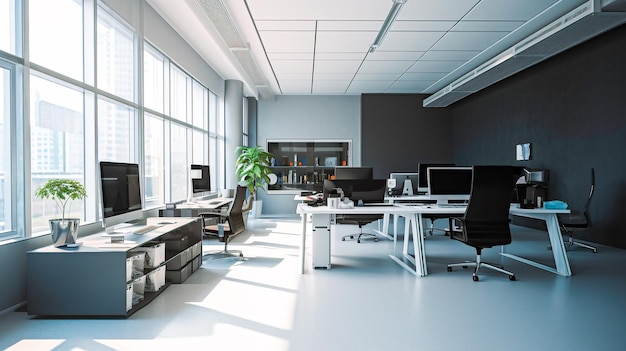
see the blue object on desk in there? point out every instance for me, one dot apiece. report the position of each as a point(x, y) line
point(555, 205)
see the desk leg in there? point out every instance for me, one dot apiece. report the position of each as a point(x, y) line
point(303, 219)
point(412, 227)
point(558, 248)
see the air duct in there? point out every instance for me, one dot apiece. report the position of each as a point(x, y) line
point(581, 24)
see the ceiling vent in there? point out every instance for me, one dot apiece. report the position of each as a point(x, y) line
point(577, 26)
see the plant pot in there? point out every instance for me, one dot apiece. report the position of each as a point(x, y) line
point(64, 231)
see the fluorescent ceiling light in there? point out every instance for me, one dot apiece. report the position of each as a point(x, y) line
point(391, 16)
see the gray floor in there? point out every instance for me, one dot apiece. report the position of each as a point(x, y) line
point(365, 302)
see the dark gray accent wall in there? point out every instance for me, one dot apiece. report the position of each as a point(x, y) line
point(397, 133)
point(572, 109)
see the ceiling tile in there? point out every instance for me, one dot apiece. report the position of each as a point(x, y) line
point(468, 40)
point(292, 66)
point(336, 66)
point(285, 25)
point(385, 66)
point(377, 76)
point(409, 41)
point(456, 55)
point(510, 10)
point(486, 26)
point(381, 55)
point(287, 41)
point(344, 41)
point(435, 66)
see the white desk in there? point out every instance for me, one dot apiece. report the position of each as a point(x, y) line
point(547, 215)
point(193, 209)
point(323, 216)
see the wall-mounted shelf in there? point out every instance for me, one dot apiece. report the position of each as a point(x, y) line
point(302, 165)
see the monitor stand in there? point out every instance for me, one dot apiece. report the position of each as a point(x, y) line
point(407, 189)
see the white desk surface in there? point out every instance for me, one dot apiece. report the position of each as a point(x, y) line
point(207, 204)
point(413, 214)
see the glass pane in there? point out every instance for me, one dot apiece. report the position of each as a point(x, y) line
point(116, 132)
point(7, 26)
point(115, 57)
point(153, 80)
point(199, 108)
point(178, 156)
point(178, 93)
point(56, 41)
point(56, 145)
point(5, 150)
point(154, 158)
point(198, 155)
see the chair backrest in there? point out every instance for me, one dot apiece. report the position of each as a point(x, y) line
point(490, 199)
point(235, 214)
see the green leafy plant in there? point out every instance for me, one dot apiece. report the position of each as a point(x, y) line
point(253, 167)
point(62, 191)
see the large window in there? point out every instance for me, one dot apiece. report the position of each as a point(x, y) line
point(8, 26)
point(115, 57)
point(5, 151)
point(117, 132)
point(92, 96)
point(153, 79)
point(56, 41)
point(56, 144)
point(154, 160)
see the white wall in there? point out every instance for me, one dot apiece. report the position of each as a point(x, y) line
point(307, 117)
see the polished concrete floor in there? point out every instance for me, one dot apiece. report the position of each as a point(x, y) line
point(365, 302)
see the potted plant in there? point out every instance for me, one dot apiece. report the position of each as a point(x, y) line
point(253, 169)
point(64, 230)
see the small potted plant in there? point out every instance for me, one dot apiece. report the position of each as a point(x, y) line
point(253, 169)
point(64, 230)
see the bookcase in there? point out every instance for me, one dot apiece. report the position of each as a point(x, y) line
point(100, 278)
point(302, 165)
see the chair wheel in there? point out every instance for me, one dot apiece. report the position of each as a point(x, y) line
point(464, 267)
point(376, 239)
point(475, 278)
point(358, 241)
point(512, 278)
point(449, 269)
point(343, 239)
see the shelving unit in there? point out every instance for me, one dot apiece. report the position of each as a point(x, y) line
point(304, 164)
point(103, 279)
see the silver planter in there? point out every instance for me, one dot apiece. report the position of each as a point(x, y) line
point(64, 231)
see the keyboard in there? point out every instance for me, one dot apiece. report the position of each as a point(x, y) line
point(144, 230)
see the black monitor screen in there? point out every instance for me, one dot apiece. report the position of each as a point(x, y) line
point(366, 190)
point(422, 169)
point(121, 192)
point(449, 183)
point(354, 173)
point(200, 178)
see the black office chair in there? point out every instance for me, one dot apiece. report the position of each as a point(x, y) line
point(368, 191)
point(361, 221)
point(226, 225)
point(577, 220)
point(486, 221)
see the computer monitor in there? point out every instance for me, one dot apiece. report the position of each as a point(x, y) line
point(406, 183)
point(200, 178)
point(449, 183)
point(354, 173)
point(120, 194)
point(422, 170)
point(366, 190)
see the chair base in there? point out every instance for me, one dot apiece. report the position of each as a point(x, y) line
point(570, 244)
point(478, 264)
point(218, 255)
point(358, 237)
